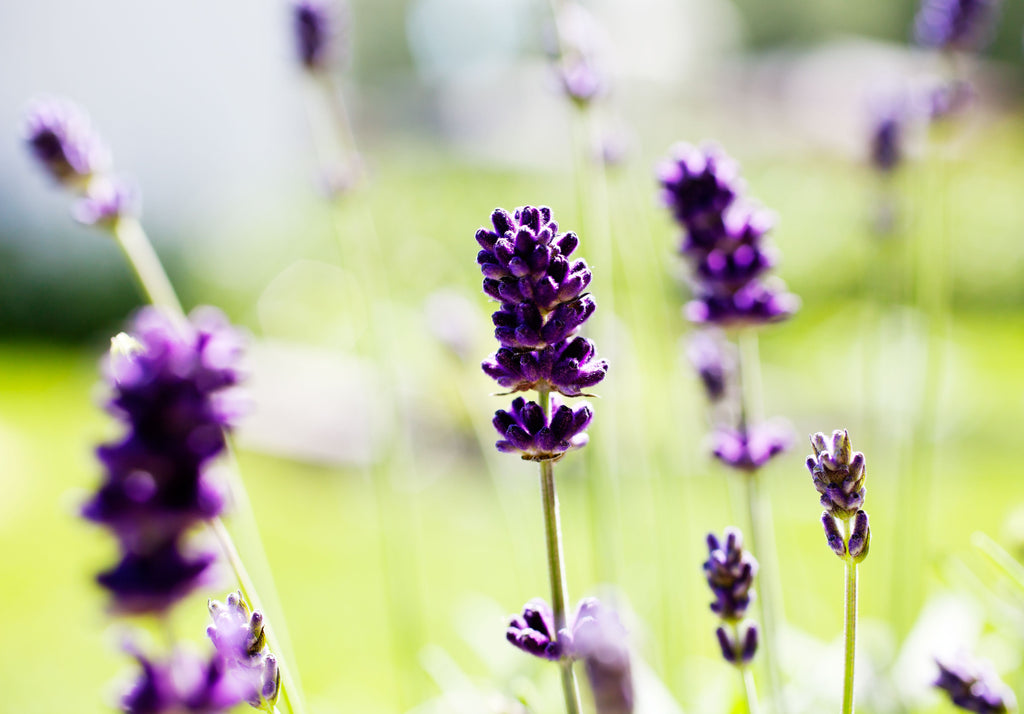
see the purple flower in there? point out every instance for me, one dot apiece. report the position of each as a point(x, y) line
point(105, 202)
point(62, 141)
point(567, 367)
point(955, 24)
point(533, 632)
point(171, 383)
point(886, 145)
point(183, 683)
point(526, 429)
point(750, 448)
point(723, 240)
point(238, 635)
point(838, 474)
point(738, 648)
point(599, 639)
point(714, 360)
point(315, 30)
point(973, 686)
point(730, 574)
point(580, 81)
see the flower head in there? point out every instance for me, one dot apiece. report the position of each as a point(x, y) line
point(527, 430)
point(973, 686)
point(750, 448)
point(838, 474)
point(714, 360)
point(106, 201)
point(730, 572)
point(955, 24)
point(183, 683)
point(533, 631)
point(62, 141)
point(238, 634)
point(315, 29)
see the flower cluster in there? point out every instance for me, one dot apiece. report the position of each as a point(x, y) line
point(171, 383)
point(839, 474)
point(955, 24)
point(62, 141)
point(730, 572)
point(315, 26)
point(750, 448)
point(184, 682)
point(238, 635)
point(595, 636)
point(527, 268)
point(723, 240)
point(973, 687)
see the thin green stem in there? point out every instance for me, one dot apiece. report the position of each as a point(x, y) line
point(749, 690)
point(144, 261)
point(556, 571)
point(248, 589)
point(849, 626)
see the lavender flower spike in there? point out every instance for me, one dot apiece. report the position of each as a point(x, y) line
point(974, 687)
point(730, 574)
point(237, 633)
point(599, 639)
point(955, 24)
point(62, 141)
point(838, 474)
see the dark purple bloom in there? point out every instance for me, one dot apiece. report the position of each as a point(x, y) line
point(730, 574)
point(61, 139)
point(171, 383)
point(886, 146)
point(106, 201)
point(315, 28)
point(739, 648)
point(713, 358)
point(750, 448)
point(860, 537)
point(755, 303)
point(526, 429)
point(567, 367)
point(955, 24)
point(973, 686)
point(154, 579)
point(838, 474)
point(698, 184)
point(599, 639)
point(533, 632)
point(238, 634)
point(183, 683)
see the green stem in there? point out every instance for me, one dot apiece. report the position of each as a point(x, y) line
point(556, 572)
point(144, 261)
point(749, 690)
point(248, 589)
point(849, 626)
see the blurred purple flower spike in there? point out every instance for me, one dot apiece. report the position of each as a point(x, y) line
point(965, 25)
point(751, 448)
point(317, 25)
point(973, 686)
point(62, 141)
point(183, 683)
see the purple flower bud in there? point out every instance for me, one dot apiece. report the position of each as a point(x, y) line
point(730, 574)
point(238, 634)
point(756, 303)
point(155, 579)
point(751, 449)
point(832, 535)
point(956, 24)
point(886, 146)
point(62, 141)
point(698, 184)
point(568, 367)
point(105, 202)
point(738, 652)
point(533, 631)
point(838, 474)
point(525, 429)
point(599, 639)
point(183, 683)
point(974, 687)
point(860, 537)
point(315, 24)
point(714, 360)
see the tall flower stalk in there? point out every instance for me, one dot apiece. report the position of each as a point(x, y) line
point(724, 243)
point(153, 572)
point(526, 266)
point(839, 474)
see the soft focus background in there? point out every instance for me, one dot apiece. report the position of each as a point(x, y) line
point(396, 578)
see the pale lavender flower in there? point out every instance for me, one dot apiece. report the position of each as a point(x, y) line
point(956, 24)
point(238, 635)
point(183, 684)
point(750, 448)
point(105, 202)
point(61, 139)
point(973, 686)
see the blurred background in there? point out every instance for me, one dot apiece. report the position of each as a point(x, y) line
point(397, 570)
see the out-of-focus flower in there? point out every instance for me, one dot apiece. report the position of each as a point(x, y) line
point(599, 639)
point(171, 383)
point(317, 27)
point(62, 141)
point(238, 634)
point(714, 360)
point(965, 25)
point(750, 448)
point(184, 683)
point(730, 572)
point(105, 202)
point(973, 686)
